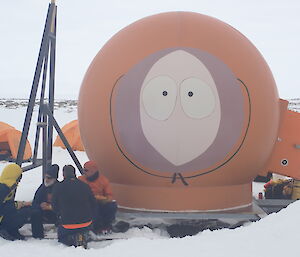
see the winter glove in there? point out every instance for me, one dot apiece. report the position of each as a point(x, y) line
point(102, 199)
point(21, 204)
point(46, 206)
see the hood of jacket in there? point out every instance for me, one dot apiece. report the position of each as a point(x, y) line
point(10, 174)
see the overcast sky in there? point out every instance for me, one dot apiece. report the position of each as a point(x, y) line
point(273, 26)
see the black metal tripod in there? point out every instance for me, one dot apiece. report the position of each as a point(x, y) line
point(46, 120)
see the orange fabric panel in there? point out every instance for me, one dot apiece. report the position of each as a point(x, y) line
point(72, 133)
point(3, 135)
point(99, 187)
point(285, 159)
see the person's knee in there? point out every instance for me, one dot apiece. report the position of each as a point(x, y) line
point(36, 213)
point(10, 223)
point(112, 207)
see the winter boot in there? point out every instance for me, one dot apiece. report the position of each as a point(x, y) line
point(16, 234)
point(4, 234)
point(80, 239)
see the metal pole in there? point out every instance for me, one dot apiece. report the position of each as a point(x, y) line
point(38, 129)
point(47, 111)
point(45, 141)
point(51, 86)
point(34, 88)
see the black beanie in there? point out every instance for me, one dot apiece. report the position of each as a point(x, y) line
point(53, 171)
point(69, 171)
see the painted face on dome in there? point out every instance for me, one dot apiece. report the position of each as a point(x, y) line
point(177, 110)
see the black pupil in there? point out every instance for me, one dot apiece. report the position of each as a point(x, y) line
point(190, 94)
point(165, 93)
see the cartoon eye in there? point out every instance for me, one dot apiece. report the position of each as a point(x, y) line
point(284, 162)
point(197, 98)
point(159, 97)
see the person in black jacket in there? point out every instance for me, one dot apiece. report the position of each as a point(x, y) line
point(41, 205)
point(75, 204)
point(11, 216)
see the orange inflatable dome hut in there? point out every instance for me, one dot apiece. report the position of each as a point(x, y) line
point(180, 111)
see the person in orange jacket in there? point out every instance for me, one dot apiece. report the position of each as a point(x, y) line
point(106, 206)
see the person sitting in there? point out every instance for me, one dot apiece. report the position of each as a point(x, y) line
point(106, 206)
point(74, 202)
point(41, 205)
point(12, 216)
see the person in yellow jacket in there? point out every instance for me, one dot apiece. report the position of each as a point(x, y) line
point(11, 219)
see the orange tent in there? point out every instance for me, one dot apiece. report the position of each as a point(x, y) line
point(72, 133)
point(9, 142)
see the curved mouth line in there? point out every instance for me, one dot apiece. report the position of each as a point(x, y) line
point(172, 176)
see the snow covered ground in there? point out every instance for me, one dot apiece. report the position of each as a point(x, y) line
point(275, 235)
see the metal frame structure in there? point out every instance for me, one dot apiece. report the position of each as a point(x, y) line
point(46, 120)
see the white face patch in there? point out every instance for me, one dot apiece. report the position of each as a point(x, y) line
point(179, 107)
point(49, 182)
